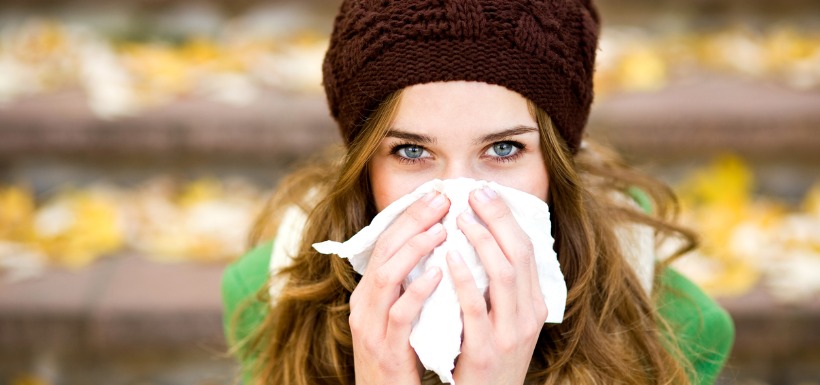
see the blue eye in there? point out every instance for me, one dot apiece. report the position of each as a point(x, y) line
point(412, 152)
point(506, 151)
point(503, 148)
point(409, 153)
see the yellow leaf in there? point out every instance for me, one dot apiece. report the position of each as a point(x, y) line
point(85, 226)
point(736, 279)
point(201, 190)
point(643, 69)
point(811, 203)
point(16, 213)
point(726, 182)
point(29, 379)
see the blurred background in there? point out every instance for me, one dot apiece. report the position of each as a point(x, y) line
point(138, 139)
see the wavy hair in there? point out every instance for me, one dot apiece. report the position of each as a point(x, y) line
point(611, 333)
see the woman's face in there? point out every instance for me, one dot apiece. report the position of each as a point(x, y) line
point(458, 129)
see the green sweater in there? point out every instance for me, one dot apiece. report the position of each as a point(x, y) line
point(704, 329)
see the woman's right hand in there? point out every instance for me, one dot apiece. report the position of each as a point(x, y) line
point(380, 314)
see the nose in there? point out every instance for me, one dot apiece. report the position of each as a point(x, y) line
point(460, 169)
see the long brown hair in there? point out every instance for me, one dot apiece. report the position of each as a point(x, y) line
point(611, 333)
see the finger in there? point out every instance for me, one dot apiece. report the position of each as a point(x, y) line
point(503, 288)
point(473, 305)
point(419, 216)
point(408, 306)
point(512, 240)
point(387, 279)
point(539, 307)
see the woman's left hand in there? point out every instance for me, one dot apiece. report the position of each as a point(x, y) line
point(498, 343)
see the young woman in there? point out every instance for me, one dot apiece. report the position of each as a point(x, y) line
point(491, 90)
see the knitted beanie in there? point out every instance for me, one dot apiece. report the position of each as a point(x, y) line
point(542, 49)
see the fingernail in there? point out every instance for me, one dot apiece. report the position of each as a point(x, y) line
point(438, 202)
point(455, 257)
point(429, 196)
point(485, 194)
point(469, 217)
point(435, 229)
point(432, 272)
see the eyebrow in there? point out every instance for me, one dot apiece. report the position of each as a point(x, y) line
point(492, 137)
point(410, 137)
point(497, 136)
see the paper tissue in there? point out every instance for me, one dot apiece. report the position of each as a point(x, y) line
point(436, 334)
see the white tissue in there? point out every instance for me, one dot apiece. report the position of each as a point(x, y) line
point(436, 335)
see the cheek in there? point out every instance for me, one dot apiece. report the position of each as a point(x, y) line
point(536, 185)
point(383, 194)
point(530, 178)
point(543, 188)
point(540, 182)
point(539, 179)
point(388, 185)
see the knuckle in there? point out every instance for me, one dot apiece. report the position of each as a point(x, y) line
point(505, 275)
point(414, 292)
point(355, 297)
point(531, 330)
point(417, 242)
point(523, 252)
point(506, 345)
point(371, 343)
point(497, 210)
point(462, 276)
point(381, 249)
point(540, 309)
point(475, 306)
point(355, 322)
point(484, 238)
point(382, 278)
point(416, 214)
point(397, 316)
point(353, 302)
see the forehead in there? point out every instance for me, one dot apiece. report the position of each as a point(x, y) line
point(460, 106)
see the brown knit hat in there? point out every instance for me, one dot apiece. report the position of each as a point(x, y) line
point(542, 49)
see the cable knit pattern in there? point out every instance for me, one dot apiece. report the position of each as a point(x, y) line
point(544, 50)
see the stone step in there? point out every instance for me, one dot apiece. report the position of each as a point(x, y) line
point(683, 120)
point(128, 310)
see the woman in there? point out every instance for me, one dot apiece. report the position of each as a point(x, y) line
point(492, 90)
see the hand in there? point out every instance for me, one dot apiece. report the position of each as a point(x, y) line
point(380, 315)
point(498, 344)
